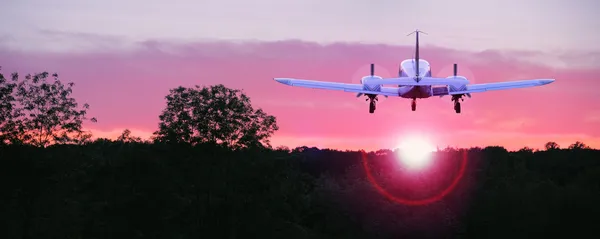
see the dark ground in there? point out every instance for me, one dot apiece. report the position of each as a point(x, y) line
point(136, 190)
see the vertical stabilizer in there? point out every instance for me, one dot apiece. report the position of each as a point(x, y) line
point(417, 56)
point(417, 76)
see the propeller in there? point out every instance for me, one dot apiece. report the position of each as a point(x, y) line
point(372, 74)
point(455, 69)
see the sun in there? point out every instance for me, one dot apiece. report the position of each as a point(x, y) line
point(415, 152)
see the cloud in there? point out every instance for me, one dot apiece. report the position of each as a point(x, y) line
point(126, 88)
point(499, 122)
point(44, 40)
point(592, 117)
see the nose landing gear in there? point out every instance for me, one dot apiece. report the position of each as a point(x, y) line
point(413, 104)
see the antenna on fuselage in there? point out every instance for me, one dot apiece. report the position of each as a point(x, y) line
point(417, 77)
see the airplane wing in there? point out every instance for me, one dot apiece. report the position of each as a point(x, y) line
point(425, 81)
point(326, 85)
point(474, 88)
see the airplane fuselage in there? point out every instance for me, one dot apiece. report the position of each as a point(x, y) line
point(408, 67)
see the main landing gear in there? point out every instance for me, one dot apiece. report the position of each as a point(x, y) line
point(413, 105)
point(372, 103)
point(457, 99)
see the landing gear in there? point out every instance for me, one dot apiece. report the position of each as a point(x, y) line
point(413, 105)
point(457, 107)
point(372, 103)
point(457, 99)
point(372, 107)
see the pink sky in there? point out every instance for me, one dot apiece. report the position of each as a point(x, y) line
point(126, 89)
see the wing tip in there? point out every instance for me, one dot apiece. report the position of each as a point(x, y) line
point(547, 81)
point(284, 81)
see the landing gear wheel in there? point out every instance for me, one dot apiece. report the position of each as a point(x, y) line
point(457, 107)
point(413, 105)
point(372, 107)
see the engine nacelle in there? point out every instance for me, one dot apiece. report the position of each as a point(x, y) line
point(371, 87)
point(459, 86)
point(461, 78)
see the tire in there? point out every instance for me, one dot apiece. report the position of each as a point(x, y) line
point(372, 107)
point(457, 108)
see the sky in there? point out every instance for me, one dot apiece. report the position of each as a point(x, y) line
point(124, 56)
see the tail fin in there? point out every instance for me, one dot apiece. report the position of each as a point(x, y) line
point(416, 52)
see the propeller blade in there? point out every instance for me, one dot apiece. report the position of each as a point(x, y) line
point(455, 73)
point(372, 69)
point(455, 69)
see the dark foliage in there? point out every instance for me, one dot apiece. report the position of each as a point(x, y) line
point(110, 189)
point(39, 111)
point(215, 114)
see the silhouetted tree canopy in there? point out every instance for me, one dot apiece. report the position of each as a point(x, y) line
point(127, 137)
point(578, 145)
point(39, 111)
point(551, 145)
point(111, 189)
point(214, 114)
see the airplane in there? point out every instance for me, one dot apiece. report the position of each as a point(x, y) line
point(414, 82)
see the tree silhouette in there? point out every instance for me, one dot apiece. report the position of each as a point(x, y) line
point(126, 137)
point(39, 111)
point(578, 145)
point(526, 150)
point(8, 128)
point(214, 114)
point(552, 145)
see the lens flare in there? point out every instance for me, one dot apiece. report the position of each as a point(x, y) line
point(414, 202)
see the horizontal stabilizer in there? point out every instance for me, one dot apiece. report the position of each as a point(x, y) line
point(502, 86)
point(408, 81)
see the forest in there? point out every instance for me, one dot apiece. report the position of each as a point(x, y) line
point(209, 171)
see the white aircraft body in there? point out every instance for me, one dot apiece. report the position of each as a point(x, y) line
point(414, 82)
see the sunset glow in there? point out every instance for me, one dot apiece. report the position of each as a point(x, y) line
point(415, 152)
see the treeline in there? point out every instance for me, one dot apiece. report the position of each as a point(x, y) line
point(110, 189)
point(210, 171)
